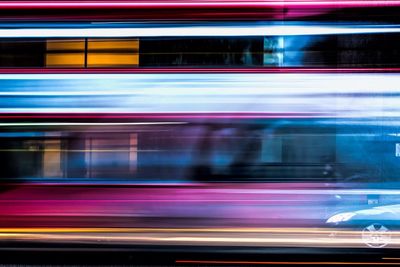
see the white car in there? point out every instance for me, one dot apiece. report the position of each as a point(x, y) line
point(376, 224)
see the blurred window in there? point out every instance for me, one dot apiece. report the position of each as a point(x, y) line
point(111, 157)
point(201, 52)
point(92, 53)
point(113, 53)
point(52, 158)
point(65, 53)
point(273, 51)
point(22, 53)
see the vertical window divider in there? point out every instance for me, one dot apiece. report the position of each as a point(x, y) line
point(86, 53)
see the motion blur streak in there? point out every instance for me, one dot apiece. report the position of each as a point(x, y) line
point(17, 124)
point(214, 3)
point(191, 10)
point(208, 237)
point(240, 125)
point(312, 95)
point(146, 70)
point(28, 230)
point(182, 31)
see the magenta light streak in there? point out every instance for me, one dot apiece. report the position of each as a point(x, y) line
point(255, 204)
point(196, 4)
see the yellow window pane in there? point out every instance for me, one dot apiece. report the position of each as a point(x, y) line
point(65, 60)
point(110, 44)
point(78, 44)
point(100, 53)
point(112, 59)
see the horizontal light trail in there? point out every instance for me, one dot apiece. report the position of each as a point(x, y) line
point(197, 4)
point(171, 230)
point(260, 70)
point(22, 124)
point(249, 230)
point(199, 83)
point(244, 115)
point(203, 95)
point(76, 150)
point(307, 237)
point(225, 188)
point(187, 239)
point(195, 31)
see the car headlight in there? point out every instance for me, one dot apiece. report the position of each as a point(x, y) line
point(341, 217)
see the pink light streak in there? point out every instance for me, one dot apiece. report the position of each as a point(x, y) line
point(196, 4)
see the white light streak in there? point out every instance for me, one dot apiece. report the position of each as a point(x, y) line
point(252, 30)
point(333, 95)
